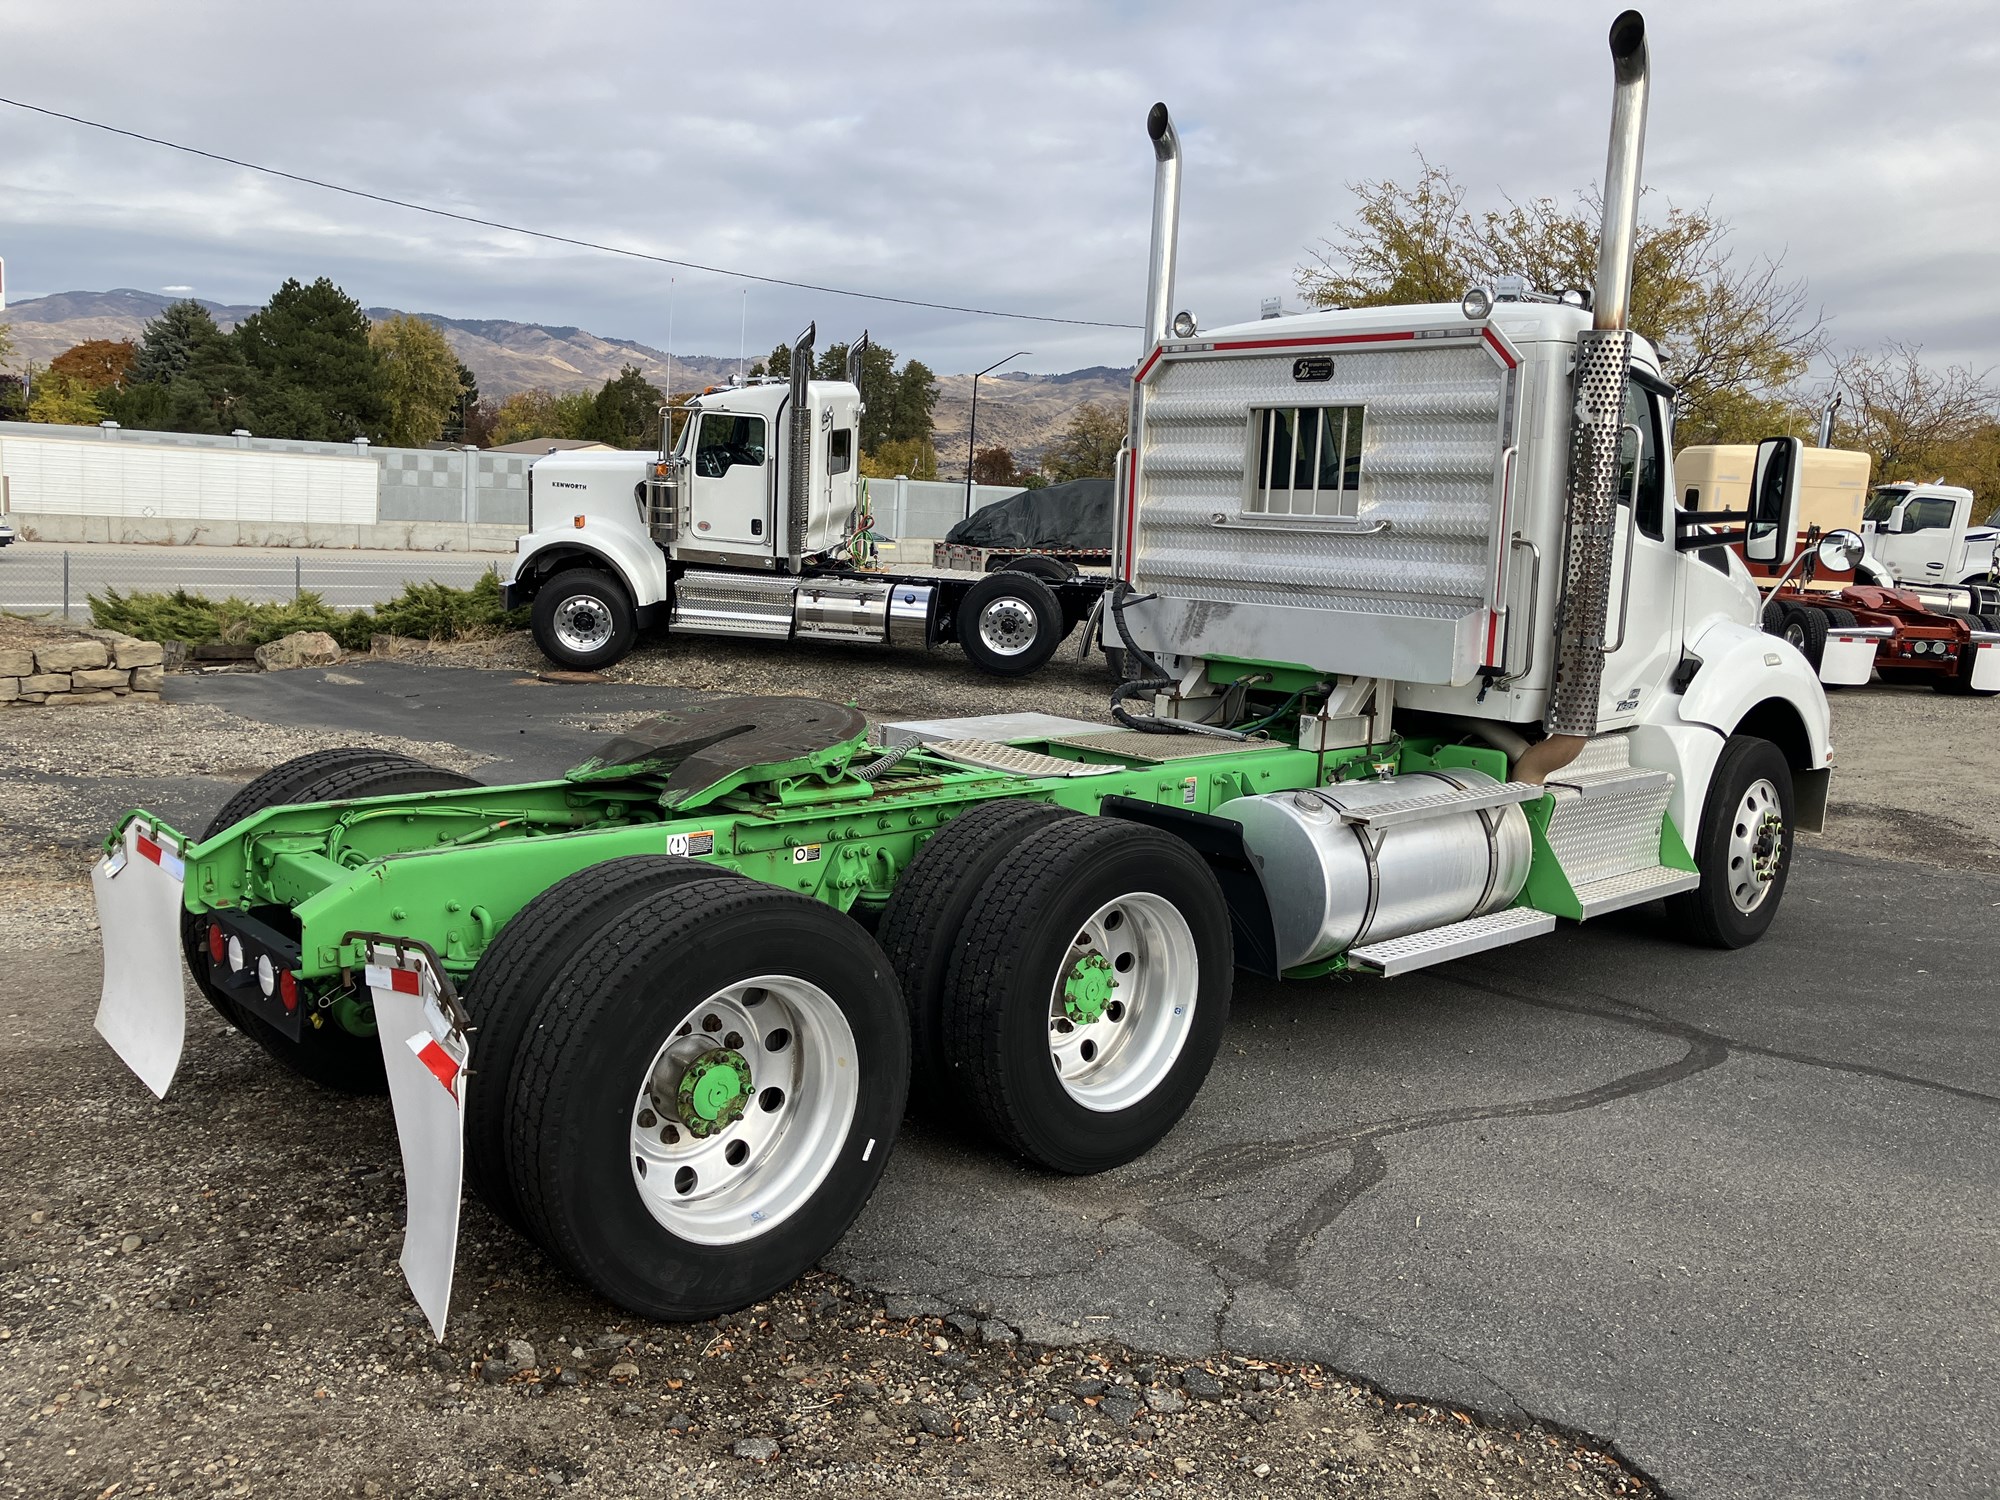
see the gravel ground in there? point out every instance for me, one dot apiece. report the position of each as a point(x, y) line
point(201, 1296)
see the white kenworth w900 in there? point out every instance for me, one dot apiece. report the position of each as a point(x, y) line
point(751, 526)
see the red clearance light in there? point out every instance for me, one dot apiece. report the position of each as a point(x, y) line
point(288, 989)
point(215, 942)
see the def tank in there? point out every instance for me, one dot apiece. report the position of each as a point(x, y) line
point(1335, 880)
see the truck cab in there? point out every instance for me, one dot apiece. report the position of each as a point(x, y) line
point(1923, 533)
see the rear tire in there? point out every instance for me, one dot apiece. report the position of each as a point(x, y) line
point(1049, 569)
point(517, 972)
point(326, 1052)
point(1089, 993)
point(583, 619)
point(1805, 628)
point(1008, 623)
point(692, 1227)
point(1743, 847)
point(1774, 617)
point(925, 921)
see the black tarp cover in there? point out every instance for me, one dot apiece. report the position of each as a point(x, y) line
point(1075, 515)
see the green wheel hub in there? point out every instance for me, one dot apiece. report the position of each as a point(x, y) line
point(1088, 988)
point(713, 1092)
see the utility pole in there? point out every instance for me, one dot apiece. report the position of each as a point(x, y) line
point(972, 422)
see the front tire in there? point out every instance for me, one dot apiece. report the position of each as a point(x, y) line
point(1743, 848)
point(770, 1019)
point(1009, 623)
point(583, 620)
point(1089, 993)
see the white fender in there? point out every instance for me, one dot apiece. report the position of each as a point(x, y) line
point(426, 1053)
point(1741, 667)
point(629, 556)
point(142, 1010)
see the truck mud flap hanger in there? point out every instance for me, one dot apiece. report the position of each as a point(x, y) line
point(422, 1028)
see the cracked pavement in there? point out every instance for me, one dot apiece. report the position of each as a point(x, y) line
point(1731, 1212)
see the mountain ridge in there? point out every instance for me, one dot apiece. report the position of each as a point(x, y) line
point(1021, 411)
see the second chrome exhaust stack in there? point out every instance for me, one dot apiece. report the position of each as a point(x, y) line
point(1603, 356)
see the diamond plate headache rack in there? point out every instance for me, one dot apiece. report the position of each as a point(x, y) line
point(403, 947)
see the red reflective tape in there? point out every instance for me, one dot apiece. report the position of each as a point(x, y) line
point(1331, 338)
point(443, 1066)
point(1131, 510)
point(406, 982)
point(1492, 634)
point(1151, 360)
point(1494, 343)
point(147, 847)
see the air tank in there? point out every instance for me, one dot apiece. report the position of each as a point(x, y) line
point(1334, 884)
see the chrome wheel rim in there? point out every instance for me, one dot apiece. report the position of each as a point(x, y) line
point(1122, 1007)
point(1756, 845)
point(744, 1110)
point(1007, 626)
point(1795, 633)
point(583, 623)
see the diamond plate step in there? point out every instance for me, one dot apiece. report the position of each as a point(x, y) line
point(991, 756)
point(1632, 781)
point(1474, 935)
point(1633, 887)
point(1437, 804)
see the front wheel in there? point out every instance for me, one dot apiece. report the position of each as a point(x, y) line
point(583, 620)
point(1009, 623)
point(707, 1096)
point(1743, 847)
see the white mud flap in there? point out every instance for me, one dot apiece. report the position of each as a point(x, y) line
point(1986, 666)
point(425, 1049)
point(1848, 658)
point(142, 1011)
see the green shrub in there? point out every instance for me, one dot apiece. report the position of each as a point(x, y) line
point(426, 611)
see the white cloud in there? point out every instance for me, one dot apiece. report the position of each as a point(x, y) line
point(989, 155)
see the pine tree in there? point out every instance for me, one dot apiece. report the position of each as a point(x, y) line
point(171, 342)
point(626, 413)
point(313, 372)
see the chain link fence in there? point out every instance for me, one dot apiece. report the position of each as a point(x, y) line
point(56, 583)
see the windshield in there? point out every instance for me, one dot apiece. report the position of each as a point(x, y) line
point(1882, 504)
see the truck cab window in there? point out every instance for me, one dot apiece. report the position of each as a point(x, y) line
point(1648, 486)
point(840, 452)
point(1932, 514)
point(1308, 461)
point(726, 441)
point(1882, 505)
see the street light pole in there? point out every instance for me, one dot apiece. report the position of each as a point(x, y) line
point(972, 423)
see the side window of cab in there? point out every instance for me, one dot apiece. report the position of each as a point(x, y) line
point(1647, 488)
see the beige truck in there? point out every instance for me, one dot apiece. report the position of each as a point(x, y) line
point(1833, 495)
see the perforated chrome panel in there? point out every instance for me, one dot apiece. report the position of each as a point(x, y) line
point(1420, 550)
point(1602, 358)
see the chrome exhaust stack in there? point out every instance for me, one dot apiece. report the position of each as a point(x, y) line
point(1166, 224)
point(1603, 356)
point(798, 453)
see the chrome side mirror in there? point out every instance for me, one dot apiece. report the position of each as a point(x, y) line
point(1841, 551)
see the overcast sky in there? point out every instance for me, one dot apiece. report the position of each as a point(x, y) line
point(983, 154)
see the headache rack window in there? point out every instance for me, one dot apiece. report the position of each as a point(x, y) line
point(1307, 461)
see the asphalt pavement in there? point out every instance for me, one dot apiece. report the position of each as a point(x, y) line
point(33, 579)
point(1732, 1212)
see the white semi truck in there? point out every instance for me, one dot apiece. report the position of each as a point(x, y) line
point(1433, 663)
point(747, 527)
point(1924, 534)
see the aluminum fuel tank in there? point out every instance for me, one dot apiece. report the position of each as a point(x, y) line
point(1333, 884)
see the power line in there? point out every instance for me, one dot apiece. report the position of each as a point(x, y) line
point(542, 234)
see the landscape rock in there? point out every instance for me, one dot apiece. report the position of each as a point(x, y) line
point(68, 656)
point(46, 682)
point(302, 648)
point(173, 655)
point(933, 1421)
point(100, 677)
point(148, 679)
point(521, 1354)
point(17, 662)
point(759, 1449)
point(1197, 1381)
point(1166, 1402)
point(129, 653)
point(87, 695)
point(10, 687)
